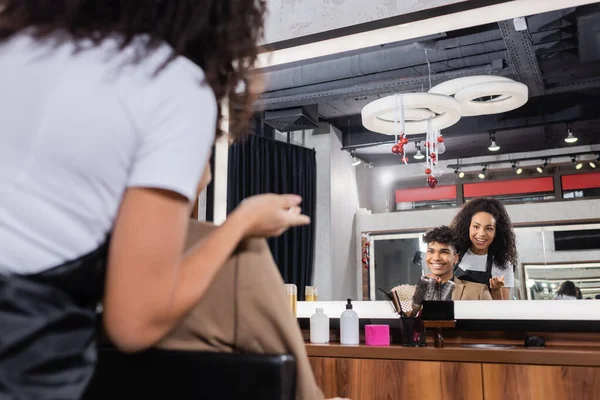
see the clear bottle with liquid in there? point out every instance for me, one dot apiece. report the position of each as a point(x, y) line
point(349, 325)
point(319, 327)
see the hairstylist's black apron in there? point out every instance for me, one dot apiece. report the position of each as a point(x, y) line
point(482, 277)
point(48, 329)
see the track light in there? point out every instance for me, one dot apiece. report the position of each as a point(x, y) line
point(593, 164)
point(482, 173)
point(518, 170)
point(578, 165)
point(355, 160)
point(541, 169)
point(493, 145)
point(460, 174)
point(570, 138)
point(419, 155)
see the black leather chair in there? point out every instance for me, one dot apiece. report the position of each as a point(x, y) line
point(182, 375)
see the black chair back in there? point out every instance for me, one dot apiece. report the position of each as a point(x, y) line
point(182, 375)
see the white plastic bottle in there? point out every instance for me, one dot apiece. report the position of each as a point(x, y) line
point(319, 327)
point(349, 325)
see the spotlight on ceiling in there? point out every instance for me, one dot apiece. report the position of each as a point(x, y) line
point(518, 170)
point(419, 155)
point(594, 164)
point(541, 169)
point(570, 138)
point(578, 165)
point(355, 160)
point(460, 174)
point(493, 145)
point(482, 173)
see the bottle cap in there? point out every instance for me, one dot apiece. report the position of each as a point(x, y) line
point(349, 305)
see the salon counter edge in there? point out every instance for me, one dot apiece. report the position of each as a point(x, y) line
point(584, 356)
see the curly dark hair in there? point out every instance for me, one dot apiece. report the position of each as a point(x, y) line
point(503, 249)
point(220, 36)
point(442, 235)
point(568, 288)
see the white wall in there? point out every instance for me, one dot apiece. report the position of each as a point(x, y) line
point(289, 19)
point(322, 257)
point(344, 203)
point(534, 246)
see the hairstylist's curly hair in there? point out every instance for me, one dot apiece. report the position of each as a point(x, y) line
point(442, 235)
point(568, 288)
point(220, 36)
point(503, 248)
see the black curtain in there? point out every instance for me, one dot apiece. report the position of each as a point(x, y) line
point(262, 165)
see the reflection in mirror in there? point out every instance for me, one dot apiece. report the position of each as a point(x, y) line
point(552, 255)
point(398, 260)
point(548, 256)
point(543, 281)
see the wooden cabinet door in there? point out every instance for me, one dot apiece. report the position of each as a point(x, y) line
point(367, 379)
point(532, 382)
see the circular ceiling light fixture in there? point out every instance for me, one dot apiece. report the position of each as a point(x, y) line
point(381, 115)
point(484, 94)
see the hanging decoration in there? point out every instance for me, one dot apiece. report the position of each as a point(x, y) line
point(366, 250)
point(434, 146)
point(399, 128)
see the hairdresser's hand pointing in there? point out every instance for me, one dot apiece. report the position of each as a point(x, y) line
point(270, 215)
point(497, 282)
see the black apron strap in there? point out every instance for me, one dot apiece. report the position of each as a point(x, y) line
point(474, 276)
point(48, 329)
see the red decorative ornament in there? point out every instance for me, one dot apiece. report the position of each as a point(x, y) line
point(404, 140)
point(432, 181)
point(433, 156)
point(367, 244)
point(405, 160)
point(428, 171)
point(365, 260)
point(396, 149)
point(440, 139)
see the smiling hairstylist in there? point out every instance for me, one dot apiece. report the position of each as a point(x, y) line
point(487, 246)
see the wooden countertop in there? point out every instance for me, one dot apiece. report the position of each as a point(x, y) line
point(551, 355)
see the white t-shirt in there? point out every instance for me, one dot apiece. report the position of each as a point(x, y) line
point(474, 262)
point(78, 128)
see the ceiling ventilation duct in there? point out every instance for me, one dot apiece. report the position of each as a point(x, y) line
point(293, 119)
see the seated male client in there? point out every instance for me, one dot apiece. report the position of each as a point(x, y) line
point(244, 309)
point(442, 256)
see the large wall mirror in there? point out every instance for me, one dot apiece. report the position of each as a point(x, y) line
point(548, 256)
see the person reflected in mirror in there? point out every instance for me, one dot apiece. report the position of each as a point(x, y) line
point(567, 291)
point(487, 247)
point(441, 257)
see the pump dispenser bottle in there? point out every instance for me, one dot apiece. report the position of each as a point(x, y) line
point(349, 325)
